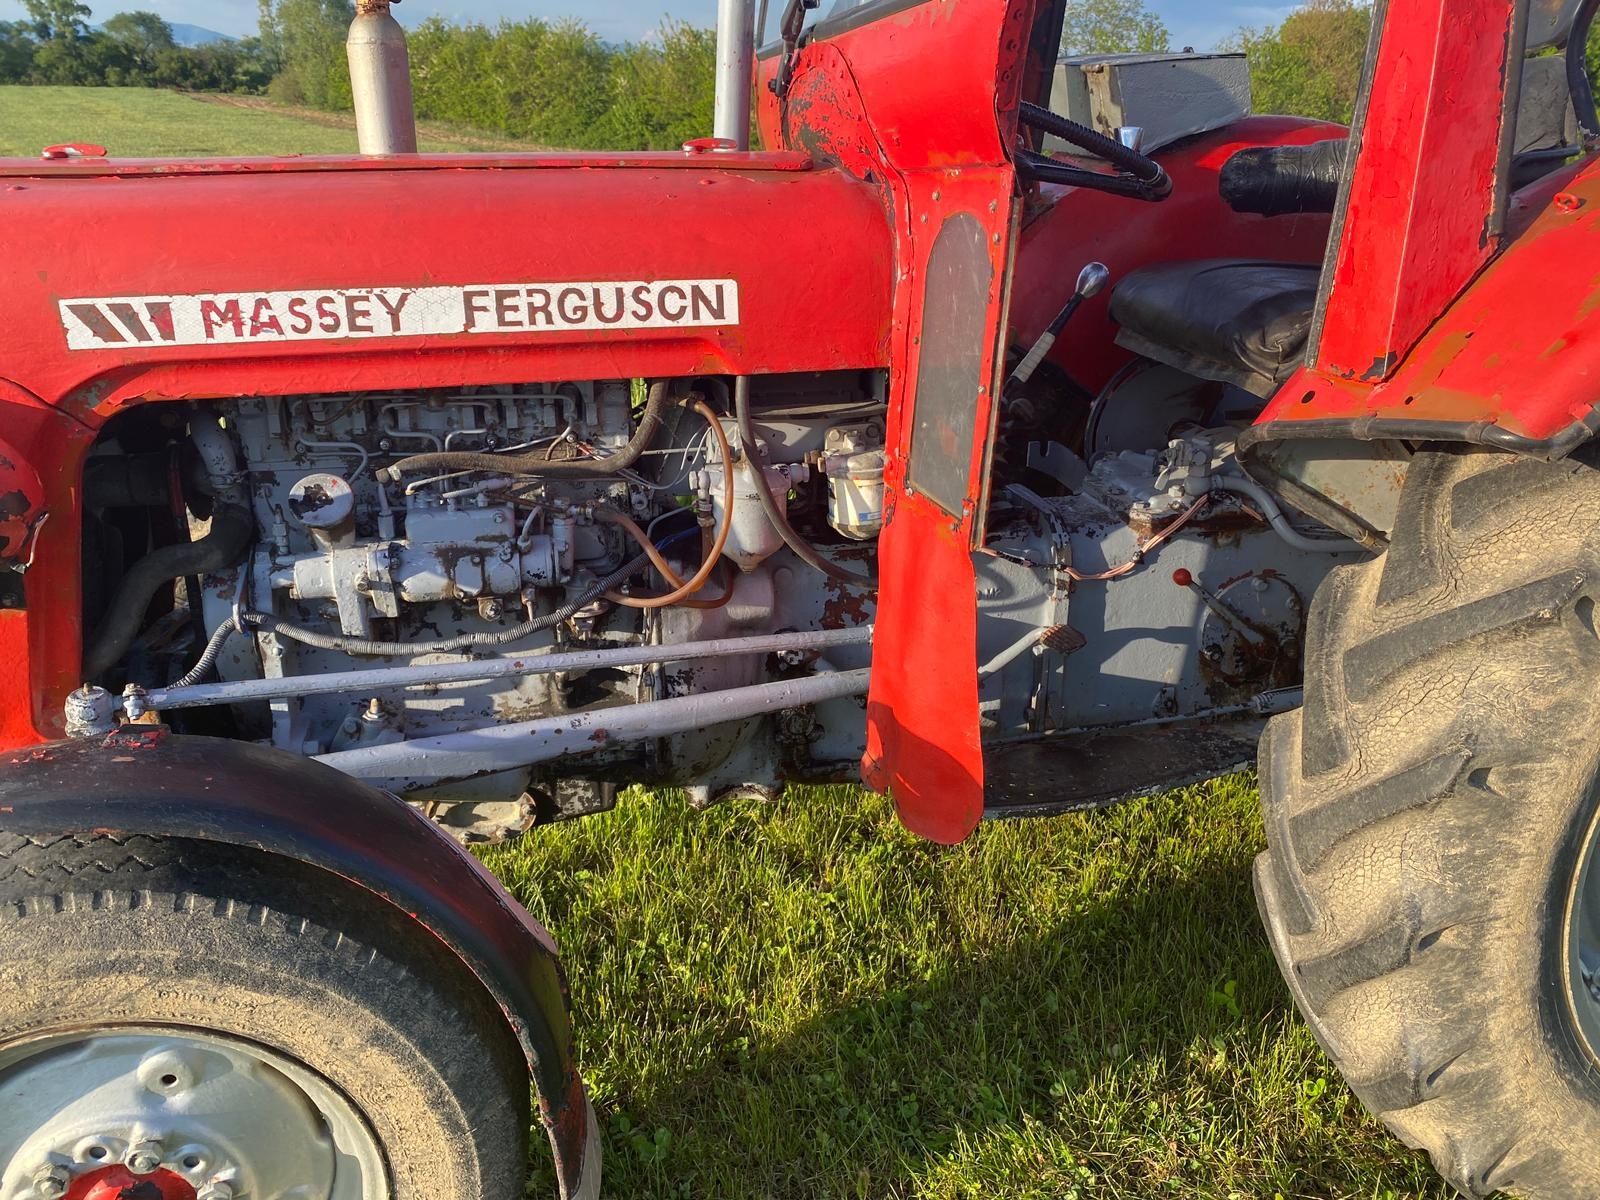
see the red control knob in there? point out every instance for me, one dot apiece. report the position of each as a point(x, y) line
point(1182, 578)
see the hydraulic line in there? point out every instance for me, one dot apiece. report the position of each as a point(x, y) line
point(1280, 524)
point(651, 424)
point(769, 505)
point(613, 516)
point(605, 512)
point(689, 588)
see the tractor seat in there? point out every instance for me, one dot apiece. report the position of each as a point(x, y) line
point(1233, 320)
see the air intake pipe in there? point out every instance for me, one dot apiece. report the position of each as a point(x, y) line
point(380, 81)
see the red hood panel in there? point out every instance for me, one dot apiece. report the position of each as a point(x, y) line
point(797, 268)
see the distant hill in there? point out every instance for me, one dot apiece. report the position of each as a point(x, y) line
point(195, 35)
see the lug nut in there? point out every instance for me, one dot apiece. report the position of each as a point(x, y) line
point(216, 1191)
point(51, 1182)
point(144, 1158)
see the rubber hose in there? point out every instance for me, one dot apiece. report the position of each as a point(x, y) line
point(714, 553)
point(651, 424)
point(1280, 523)
point(769, 504)
point(366, 647)
point(233, 529)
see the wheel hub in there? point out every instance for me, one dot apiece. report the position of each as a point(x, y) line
point(119, 1183)
point(176, 1115)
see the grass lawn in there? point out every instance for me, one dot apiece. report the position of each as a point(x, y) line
point(802, 1001)
point(141, 123)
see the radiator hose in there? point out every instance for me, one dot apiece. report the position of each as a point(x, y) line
point(233, 528)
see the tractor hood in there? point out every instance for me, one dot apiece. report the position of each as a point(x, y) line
point(174, 280)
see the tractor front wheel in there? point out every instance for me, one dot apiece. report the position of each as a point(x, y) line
point(183, 1020)
point(1429, 887)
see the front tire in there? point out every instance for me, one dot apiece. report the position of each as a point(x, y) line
point(224, 1023)
point(1429, 813)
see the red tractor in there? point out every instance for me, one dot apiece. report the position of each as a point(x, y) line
point(1020, 435)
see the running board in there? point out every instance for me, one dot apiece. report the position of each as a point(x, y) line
point(1074, 772)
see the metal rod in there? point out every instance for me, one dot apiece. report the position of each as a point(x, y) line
point(380, 82)
point(735, 70)
point(426, 762)
point(369, 682)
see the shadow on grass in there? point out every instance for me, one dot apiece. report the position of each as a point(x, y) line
point(1142, 1046)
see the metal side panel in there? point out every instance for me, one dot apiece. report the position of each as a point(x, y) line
point(1074, 772)
point(923, 740)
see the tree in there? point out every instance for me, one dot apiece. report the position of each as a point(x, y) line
point(16, 51)
point(1310, 66)
point(1113, 27)
point(307, 37)
point(58, 20)
point(62, 29)
point(144, 35)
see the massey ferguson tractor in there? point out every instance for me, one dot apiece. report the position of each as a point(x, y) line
point(1019, 435)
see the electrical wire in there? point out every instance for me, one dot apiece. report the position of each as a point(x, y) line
point(1143, 548)
point(1141, 551)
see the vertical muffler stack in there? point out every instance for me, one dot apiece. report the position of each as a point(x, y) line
point(736, 46)
point(380, 79)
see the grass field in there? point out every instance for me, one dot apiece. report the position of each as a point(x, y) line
point(802, 1001)
point(139, 123)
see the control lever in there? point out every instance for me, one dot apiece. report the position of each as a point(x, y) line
point(1185, 579)
point(1092, 281)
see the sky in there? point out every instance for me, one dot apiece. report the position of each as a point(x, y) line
point(1197, 23)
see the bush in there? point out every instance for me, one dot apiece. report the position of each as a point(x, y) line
point(557, 84)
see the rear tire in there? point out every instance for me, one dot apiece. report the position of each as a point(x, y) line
point(1427, 813)
point(383, 1038)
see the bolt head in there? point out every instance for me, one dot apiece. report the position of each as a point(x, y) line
point(51, 1182)
point(144, 1158)
point(216, 1191)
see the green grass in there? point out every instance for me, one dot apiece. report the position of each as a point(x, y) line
point(140, 123)
point(803, 1000)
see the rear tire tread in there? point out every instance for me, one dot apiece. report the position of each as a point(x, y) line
point(1433, 700)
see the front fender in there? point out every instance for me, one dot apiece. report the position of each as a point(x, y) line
point(148, 781)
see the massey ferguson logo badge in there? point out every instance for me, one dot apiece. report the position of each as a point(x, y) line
point(257, 317)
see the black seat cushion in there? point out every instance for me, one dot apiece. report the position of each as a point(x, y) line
point(1234, 320)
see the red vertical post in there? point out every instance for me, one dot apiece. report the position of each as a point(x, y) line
point(1423, 208)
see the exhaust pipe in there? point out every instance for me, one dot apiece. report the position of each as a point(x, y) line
point(736, 55)
point(380, 80)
